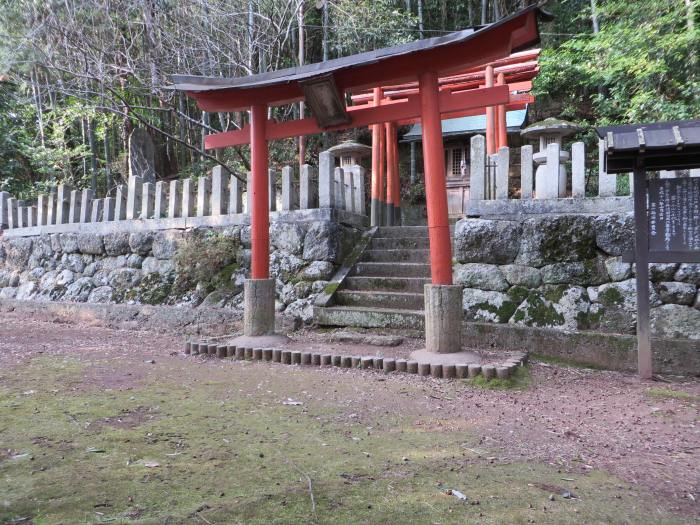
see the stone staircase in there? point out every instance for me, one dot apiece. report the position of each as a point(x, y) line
point(384, 288)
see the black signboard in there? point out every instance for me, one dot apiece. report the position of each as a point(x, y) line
point(674, 215)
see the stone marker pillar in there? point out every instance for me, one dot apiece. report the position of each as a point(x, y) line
point(175, 199)
point(235, 199)
point(96, 214)
point(358, 181)
point(288, 190)
point(188, 198)
point(578, 170)
point(219, 196)
point(141, 156)
point(547, 175)
point(51, 208)
point(22, 216)
point(74, 206)
point(108, 209)
point(667, 174)
point(3, 208)
point(339, 188)
point(120, 203)
point(307, 187)
point(133, 198)
point(477, 173)
point(502, 170)
point(147, 200)
point(86, 197)
point(203, 196)
point(526, 172)
point(161, 200)
point(443, 318)
point(349, 191)
point(31, 216)
point(693, 173)
point(326, 180)
point(273, 189)
point(62, 203)
point(12, 212)
point(42, 210)
point(259, 307)
point(491, 176)
point(607, 184)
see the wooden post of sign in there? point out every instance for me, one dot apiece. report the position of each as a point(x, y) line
point(641, 227)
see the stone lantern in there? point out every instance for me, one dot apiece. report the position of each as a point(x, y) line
point(350, 153)
point(550, 131)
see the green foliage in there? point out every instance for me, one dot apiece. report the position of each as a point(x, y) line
point(641, 66)
point(520, 379)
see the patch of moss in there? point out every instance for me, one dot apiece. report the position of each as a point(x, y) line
point(668, 393)
point(503, 313)
point(611, 297)
point(209, 258)
point(153, 290)
point(518, 293)
point(330, 288)
point(555, 293)
point(520, 379)
point(538, 311)
point(587, 320)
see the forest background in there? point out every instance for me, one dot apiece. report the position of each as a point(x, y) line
point(76, 76)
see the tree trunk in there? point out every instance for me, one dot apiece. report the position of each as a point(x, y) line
point(300, 23)
point(108, 160)
point(420, 18)
point(484, 11)
point(93, 155)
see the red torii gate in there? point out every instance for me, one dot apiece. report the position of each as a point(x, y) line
point(417, 68)
point(515, 71)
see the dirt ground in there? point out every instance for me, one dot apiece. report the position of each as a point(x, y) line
point(565, 445)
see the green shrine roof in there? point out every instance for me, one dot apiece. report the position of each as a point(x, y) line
point(453, 127)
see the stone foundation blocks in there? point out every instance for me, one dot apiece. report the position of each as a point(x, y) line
point(356, 361)
point(367, 362)
point(188, 347)
point(221, 351)
point(306, 358)
point(423, 369)
point(231, 351)
point(286, 357)
point(240, 352)
point(502, 372)
point(346, 361)
point(267, 354)
point(248, 354)
point(316, 359)
point(389, 365)
point(378, 362)
point(326, 360)
point(257, 354)
point(473, 371)
point(213, 350)
point(448, 371)
point(401, 365)
point(488, 371)
point(259, 307)
point(276, 355)
point(336, 360)
point(443, 318)
point(436, 370)
point(412, 367)
point(461, 371)
point(296, 357)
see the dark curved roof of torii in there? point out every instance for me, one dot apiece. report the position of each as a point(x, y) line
point(195, 84)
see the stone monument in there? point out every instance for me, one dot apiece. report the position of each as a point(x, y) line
point(142, 156)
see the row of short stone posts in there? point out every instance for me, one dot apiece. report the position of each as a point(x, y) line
point(489, 174)
point(341, 188)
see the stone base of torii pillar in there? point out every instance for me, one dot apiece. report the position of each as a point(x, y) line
point(259, 315)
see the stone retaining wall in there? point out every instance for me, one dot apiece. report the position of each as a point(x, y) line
point(148, 267)
point(566, 272)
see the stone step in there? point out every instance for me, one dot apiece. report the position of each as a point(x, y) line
point(388, 284)
point(405, 231)
point(375, 299)
point(385, 269)
point(402, 231)
point(400, 255)
point(369, 317)
point(389, 243)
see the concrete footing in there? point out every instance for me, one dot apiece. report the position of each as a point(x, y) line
point(259, 307)
point(443, 318)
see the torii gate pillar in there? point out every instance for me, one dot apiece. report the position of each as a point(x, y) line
point(443, 301)
point(259, 290)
